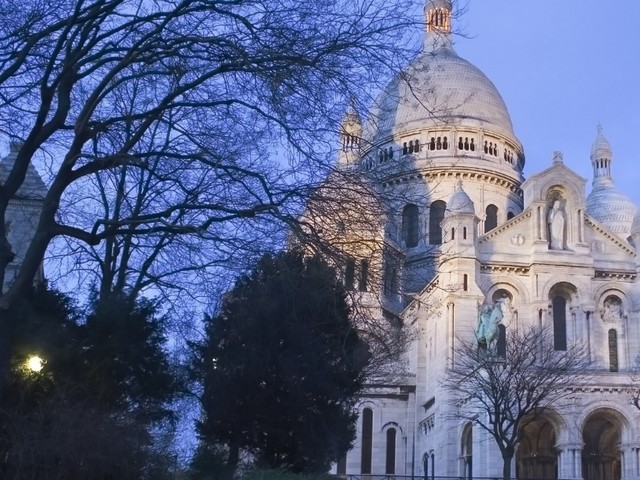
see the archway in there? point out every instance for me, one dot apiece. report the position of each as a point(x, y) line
point(601, 434)
point(537, 457)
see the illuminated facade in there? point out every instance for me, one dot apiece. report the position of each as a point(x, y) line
point(466, 228)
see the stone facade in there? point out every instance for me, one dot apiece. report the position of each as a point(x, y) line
point(468, 229)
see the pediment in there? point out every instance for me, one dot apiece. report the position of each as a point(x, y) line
point(557, 177)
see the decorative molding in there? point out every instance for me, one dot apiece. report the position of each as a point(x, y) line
point(426, 425)
point(613, 275)
point(513, 269)
point(505, 226)
point(612, 238)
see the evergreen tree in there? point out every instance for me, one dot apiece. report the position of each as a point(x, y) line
point(281, 365)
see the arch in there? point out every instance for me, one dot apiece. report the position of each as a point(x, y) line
point(465, 282)
point(410, 227)
point(537, 456)
point(367, 441)
point(466, 452)
point(510, 215)
point(602, 433)
point(436, 215)
point(491, 218)
point(511, 286)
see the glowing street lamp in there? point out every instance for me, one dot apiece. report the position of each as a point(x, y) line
point(35, 363)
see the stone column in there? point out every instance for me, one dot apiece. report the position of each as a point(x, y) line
point(570, 461)
point(630, 468)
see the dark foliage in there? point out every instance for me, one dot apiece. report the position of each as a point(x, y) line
point(105, 383)
point(281, 365)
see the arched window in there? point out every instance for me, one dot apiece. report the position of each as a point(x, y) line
point(460, 144)
point(410, 225)
point(453, 233)
point(390, 464)
point(367, 441)
point(464, 233)
point(613, 350)
point(559, 306)
point(436, 215)
point(510, 215)
point(491, 220)
point(465, 282)
point(432, 144)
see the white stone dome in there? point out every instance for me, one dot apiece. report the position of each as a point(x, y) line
point(612, 208)
point(606, 203)
point(460, 203)
point(439, 88)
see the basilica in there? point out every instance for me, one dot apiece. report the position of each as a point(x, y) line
point(464, 228)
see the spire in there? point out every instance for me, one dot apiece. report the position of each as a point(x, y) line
point(601, 156)
point(438, 24)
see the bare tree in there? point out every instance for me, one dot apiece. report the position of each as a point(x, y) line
point(204, 120)
point(500, 393)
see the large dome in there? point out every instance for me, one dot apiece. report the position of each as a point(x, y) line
point(438, 88)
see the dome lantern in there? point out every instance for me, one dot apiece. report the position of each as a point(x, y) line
point(438, 24)
point(601, 156)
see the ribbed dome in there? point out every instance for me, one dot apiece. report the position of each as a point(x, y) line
point(612, 208)
point(460, 203)
point(439, 89)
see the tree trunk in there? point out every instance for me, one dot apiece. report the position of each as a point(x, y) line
point(506, 466)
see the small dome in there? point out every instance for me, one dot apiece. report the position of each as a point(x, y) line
point(606, 203)
point(612, 208)
point(460, 203)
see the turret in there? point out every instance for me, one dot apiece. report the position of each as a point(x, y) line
point(459, 230)
point(350, 137)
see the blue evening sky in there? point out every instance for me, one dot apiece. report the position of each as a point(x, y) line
point(562, 66)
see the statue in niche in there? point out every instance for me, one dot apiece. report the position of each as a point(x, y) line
point(489, 317)
point(612, 311)
point(556, 227)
